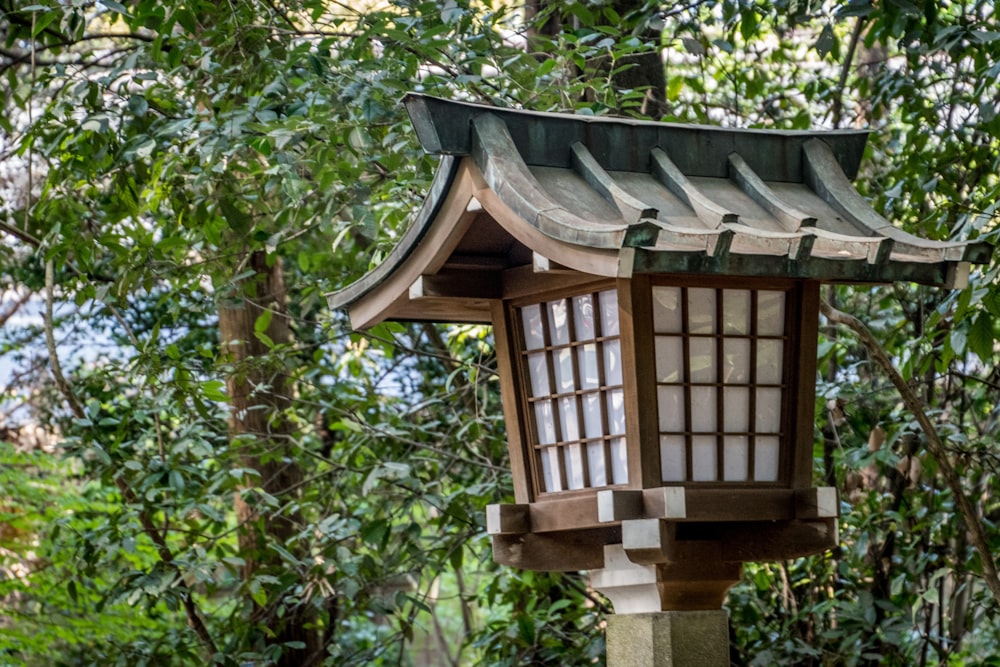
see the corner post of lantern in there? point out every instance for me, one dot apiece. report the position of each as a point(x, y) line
point(654, 295)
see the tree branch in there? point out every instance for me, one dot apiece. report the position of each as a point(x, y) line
point(838, 101)
point(935, 445)
point(128, 495)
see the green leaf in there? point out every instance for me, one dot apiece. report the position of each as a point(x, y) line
point(263, 321)
point(176, 480)
point(115, 7)
point(826, 41)
point(258, 594)
point(213, 390)
point(146, 148)
point(981, 338)
point(43, 21)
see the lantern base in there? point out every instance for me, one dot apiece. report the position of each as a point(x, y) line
point(692, 584)
point(669, 639)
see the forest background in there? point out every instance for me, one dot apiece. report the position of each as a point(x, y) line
point(202, 465)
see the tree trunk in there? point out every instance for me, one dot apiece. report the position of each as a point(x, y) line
point(260, 392)
point(643, 70)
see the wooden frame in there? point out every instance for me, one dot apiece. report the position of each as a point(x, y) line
point(797, 382)
point(640, 385)
point(529, 448)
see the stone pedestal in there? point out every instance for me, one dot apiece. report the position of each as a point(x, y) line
point(669, 639)
point(667, 614)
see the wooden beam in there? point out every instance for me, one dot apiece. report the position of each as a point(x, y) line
point(380, 291)
point(618, 505)
point(583, 550)
point(503, 519)
point(780, 540)
point(665, 502)
point(457, 285)
point(524, 282)
point(740, 504)
point(803, 323)
point(817, 503)
point(510, 385)
point(579, 510)
point(560, 514)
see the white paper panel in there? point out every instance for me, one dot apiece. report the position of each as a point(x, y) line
point(569, 419)
point(608, 301)
point(736, 311)
point(545, 421)
point(703, 409)
point(593, 423)
point(765, 464)
point(770, 313)
point(616, 412)
point(558, 322)
point(703, 367)
point(736, 452)
point(531, 320)
point(564, 370)
point(669, 358)
point(768, 411)
point(701, 310)
point(583, 317)
point(736, 364)
point(704, 458)
point(550, 469)
point(670, 402)
point(667, 309)
point(619, 461)
point(737, 409)
point(769, 360)
point(574, 466)
point(586, 359)
point(598, 467)
point(538, 369)
point(612, 362)
point(673, 458)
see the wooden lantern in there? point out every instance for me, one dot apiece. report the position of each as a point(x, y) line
point(654, 293)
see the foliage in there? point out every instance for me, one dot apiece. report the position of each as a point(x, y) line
point(180, 154)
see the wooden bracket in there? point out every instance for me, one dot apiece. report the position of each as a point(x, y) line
point(646, 541)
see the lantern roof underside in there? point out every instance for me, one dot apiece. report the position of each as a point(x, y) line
point(518, 193)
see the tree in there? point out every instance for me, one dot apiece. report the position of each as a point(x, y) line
point(190, 165)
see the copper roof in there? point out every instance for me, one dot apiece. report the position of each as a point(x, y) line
point(613, 197)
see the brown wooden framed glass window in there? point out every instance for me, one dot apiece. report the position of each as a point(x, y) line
point(571, 365)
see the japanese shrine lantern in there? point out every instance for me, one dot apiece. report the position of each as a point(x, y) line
point(654, 294)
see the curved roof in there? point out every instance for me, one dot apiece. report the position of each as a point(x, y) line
point(521, 192)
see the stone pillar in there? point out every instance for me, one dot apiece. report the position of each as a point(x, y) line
point(669, 639)
point(666, 614)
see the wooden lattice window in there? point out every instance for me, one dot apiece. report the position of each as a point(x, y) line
point(720, 382)
point(571, 362)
